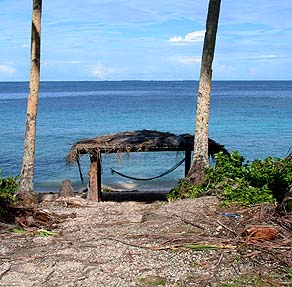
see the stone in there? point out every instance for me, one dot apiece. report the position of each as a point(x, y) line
point(66, 189)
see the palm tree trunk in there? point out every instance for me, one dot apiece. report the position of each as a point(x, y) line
point(25, 190)
point(201, 159)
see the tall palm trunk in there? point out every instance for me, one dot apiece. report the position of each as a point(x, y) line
point(200, 159)
point(25, 191)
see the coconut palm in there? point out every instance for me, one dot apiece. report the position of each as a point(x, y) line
point(25, 190)
point(200, 159)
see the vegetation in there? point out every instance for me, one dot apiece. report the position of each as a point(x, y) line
point(18, 230)
point(8, 188)
point(44, 233)
point(235, 180)
point(259, 280)
point(153, 281)
point(246, 281)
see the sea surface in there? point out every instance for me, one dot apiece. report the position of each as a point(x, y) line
point(253, 117)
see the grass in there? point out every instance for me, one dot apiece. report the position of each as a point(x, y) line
point(152, 281)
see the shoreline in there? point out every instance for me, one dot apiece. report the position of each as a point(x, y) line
point(124, 187)
point(113, 195)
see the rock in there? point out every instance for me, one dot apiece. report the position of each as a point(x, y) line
point(47, 197)
point(73, 202)
point(135, 218)
point(66, 189)
point(4, 268)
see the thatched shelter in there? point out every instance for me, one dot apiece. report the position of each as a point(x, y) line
point(132, 141)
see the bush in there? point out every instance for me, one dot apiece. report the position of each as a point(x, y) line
point(8, 188)
point(274, 173)
point(245, 183)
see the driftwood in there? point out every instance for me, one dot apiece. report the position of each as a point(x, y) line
point(73, 202)
point(286, 204)
point(34, 217)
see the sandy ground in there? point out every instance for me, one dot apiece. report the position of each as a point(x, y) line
point(136, 243)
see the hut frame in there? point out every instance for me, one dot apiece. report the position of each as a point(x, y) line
point(131, 141)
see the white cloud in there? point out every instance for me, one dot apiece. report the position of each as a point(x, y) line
point(221, 71)
point(7, 70)
point(186, 60)
point(61, 62)
point(101, 72)
point(266, 57)
point(196, 36)
point(24, 45)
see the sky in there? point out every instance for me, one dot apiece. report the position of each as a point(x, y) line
point(146, 40)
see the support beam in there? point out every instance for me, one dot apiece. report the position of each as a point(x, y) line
point(92, 173)
point(99, 195)
point(188, 160)
point(94, 191)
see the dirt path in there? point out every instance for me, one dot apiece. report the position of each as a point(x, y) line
point(138, 244)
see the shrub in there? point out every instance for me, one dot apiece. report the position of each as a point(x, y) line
point(238, 181)
point(8, 188)
point(274, 173)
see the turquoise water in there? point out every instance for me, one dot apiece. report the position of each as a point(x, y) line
point(251, 117)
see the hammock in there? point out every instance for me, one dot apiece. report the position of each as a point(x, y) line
point(150, 178)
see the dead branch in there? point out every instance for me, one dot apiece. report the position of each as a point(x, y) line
point(4, 268)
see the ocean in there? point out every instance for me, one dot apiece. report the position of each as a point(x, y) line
point(253, 117)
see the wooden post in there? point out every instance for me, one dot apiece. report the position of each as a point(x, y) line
point(99, 195)
point(188, 159)
point(94, 191)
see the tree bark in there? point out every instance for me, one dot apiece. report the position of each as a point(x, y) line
point(25, 190)
point(200, 158)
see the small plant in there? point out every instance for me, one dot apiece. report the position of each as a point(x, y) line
point(245, 183)
point(19, 231)
point(44, 233)
point(153, 281)
point(245, 282)
point(184, 189)
point(289, 274)
point(8, 188)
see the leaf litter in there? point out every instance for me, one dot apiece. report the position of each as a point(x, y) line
point(190, 242)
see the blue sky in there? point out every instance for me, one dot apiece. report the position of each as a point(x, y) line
point(147, 40)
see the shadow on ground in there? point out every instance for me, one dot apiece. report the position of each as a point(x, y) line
point(139, 196)
point(116, 196)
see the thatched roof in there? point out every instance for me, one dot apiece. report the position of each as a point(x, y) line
point(137, 141)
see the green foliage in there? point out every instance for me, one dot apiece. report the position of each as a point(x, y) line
point(245, 183)
point(201, 247)
point(44, 233)
point(184, 189)
point(274, 173)
point(289, 274)
point(8, 188)
point(19, 231)
point(40, 232)
point(245, 281)
point(153, 281)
